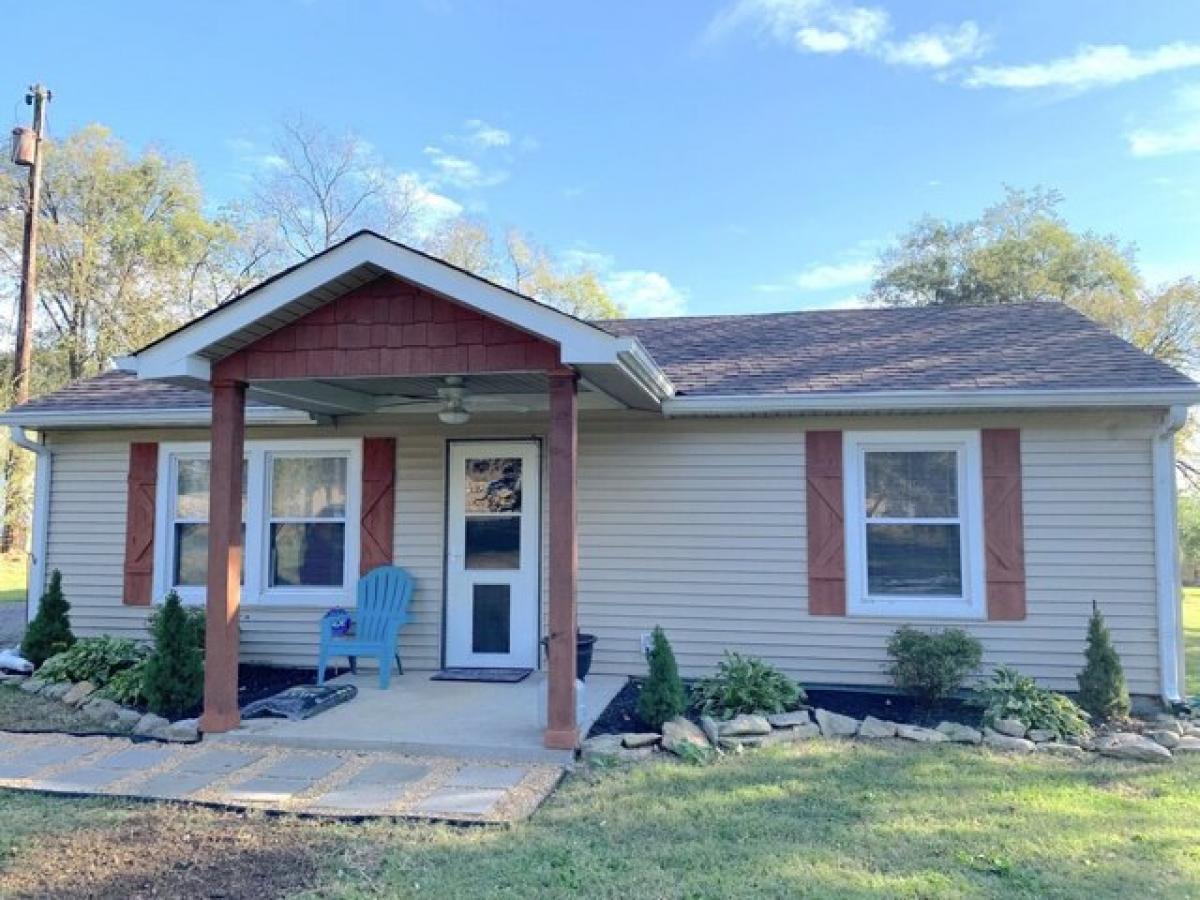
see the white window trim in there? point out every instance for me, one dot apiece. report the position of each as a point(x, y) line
point(255, 590)
point(972, 605)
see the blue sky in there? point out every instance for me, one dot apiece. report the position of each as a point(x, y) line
point(708, 157)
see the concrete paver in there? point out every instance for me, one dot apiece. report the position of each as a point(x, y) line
point(318, 782)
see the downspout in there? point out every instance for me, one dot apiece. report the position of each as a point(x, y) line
point(1166, 557)
point(41, 517)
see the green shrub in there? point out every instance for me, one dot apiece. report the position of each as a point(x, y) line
point(50, 631)
point(174, 677)
point(745, 684)
point(1102, 688)
point(94, 659)
point(127, 687)
point(932, 665)
point(662, 697)
point(1011, 695)
point(195, 620)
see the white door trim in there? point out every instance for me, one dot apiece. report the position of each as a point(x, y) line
point(523, 583)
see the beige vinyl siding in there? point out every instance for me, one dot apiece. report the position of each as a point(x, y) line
point(699, 526)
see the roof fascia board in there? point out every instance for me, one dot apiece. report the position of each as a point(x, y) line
point(580, 342)
point(886, 401)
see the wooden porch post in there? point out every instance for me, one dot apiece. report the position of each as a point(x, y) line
point(224, 556)
point(562, 731)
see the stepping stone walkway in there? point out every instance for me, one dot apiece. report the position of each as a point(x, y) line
point(322, 783)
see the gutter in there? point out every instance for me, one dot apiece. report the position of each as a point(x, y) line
point(924, 401)
point(41, 518)
point(1166, 557)
point(141, 418)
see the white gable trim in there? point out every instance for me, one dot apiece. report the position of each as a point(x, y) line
point(178, 356)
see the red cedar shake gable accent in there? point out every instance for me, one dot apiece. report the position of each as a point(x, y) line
point(826, 518)
point(378, 502)
point(389, 327)
point(1003, 525)
point(139, 524)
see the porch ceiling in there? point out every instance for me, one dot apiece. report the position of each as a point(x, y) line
point(502, 392)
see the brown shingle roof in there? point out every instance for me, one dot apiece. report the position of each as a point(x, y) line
point(1036, 346)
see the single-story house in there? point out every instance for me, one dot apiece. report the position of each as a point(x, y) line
point(794, 485)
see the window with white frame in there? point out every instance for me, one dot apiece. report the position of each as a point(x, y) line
point(299, 499)
point(914, 524)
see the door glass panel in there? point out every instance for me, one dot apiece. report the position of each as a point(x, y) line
point(491, 616)
point(494, 485)
point(493, 542)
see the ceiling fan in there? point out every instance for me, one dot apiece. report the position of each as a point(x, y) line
point(457, 403)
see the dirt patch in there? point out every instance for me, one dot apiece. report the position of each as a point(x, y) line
point(171, 851)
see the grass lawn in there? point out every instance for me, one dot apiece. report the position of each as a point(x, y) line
point(12, 579)
point(819, 819)
point(1191, 638)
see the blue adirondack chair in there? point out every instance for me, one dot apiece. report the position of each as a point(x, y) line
point(383, 597)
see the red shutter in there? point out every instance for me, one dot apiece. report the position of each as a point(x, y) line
point(139, 524)
point(826, 524)
point(1003, 528)
point(378, 502)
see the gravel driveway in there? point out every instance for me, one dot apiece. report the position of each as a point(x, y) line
point(12, 624)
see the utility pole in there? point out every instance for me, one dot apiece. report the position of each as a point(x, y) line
point(24, 155)
point(26, 151)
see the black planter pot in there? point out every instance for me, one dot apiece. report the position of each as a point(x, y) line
point(584, 643)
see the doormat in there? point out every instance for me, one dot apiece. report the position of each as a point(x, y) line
point(496, 676)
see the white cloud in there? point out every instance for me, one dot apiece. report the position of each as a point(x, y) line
point(645, 294)
point(487, 136)
point(460, 172)
point(1089, 67)
point(855, 267)
point(640, 293)
point(832, 27)
point(248, 153)
point(1179, 133)
point(937, 49)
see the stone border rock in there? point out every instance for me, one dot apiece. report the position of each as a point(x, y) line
point(1164, 738)
point(110, 714)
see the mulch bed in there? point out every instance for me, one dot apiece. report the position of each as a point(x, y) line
point(621, 715)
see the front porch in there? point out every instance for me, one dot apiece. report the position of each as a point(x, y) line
point(420, 717)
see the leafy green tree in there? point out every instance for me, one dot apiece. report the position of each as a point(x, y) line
point(50, 631)
point(1102, 688)
point(174, 673)
point(1189, 535)
point(662, 697)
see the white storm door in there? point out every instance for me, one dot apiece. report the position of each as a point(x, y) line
point(493, 545)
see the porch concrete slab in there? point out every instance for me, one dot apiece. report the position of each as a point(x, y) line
point(419, 717)
point(482, 776)
point(448, 802)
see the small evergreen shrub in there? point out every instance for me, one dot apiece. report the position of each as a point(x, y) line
point(50, 631)
point(745, 684)
point(662, 697)
point(1102, 688)
point(94, 659)
point(195, 618)
point(932, 665)
point(1011, 695)
point(173, 680)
